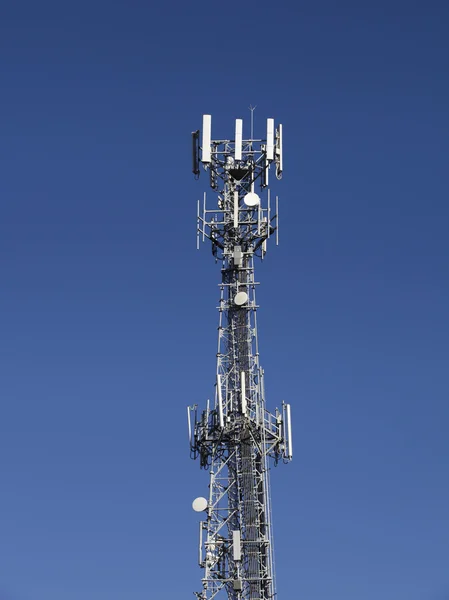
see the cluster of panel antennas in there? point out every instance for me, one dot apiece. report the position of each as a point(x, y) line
point(213, 428)
point(237, 168)
point(241, 157)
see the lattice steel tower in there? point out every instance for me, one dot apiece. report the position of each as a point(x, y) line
point(236, 436)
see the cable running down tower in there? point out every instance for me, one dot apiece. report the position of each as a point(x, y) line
point(235, 437)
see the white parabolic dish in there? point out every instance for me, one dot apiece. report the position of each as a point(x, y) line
point(199, 504)
point(241, 298)
point(251, 199)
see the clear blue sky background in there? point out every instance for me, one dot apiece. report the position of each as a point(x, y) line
point(107, 311)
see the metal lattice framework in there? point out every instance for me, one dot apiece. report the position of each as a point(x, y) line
point(236, 436)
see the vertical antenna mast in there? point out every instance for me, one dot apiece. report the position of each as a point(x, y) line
point(238, 437)
point(252, 109)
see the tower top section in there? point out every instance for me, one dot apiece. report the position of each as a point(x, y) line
point(245, 162)
point(243, 220)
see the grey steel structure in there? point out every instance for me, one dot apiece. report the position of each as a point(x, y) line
point(235, 436)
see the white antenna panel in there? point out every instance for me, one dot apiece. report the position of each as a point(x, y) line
point(288, 431)
point(236, 545)
point(243, 391)
point(207, 132)
point(190, 425)
point(220, 401)
point(236, 209)
point(238, 139)
point(270, 139)
point(279, 151)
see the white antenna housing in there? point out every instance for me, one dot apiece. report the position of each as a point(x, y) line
point(238, 139)
point(288, 431)
point(236, 209)
point(190, 424)
point(243, 391)
point(279, 157)
point(251, 199)
point(236, 545)
point(240, 298)
point(220, 401)
point(199, 504)
point(270, 139)
point(207, 133)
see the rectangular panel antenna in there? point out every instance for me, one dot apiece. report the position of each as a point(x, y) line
point(236, 545)
point(279, 155)
point(238, 139)
point(190, 425)
point(287, 418)
point(220, 401)
point(207, 132)
point(200, 545)
point(243, 391)
point(270, 139)
point(266, 166)
point(195, 152)
point(236, 209)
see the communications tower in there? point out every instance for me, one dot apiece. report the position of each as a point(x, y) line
point(235, 437)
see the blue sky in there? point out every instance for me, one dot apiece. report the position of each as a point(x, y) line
point(108, 319)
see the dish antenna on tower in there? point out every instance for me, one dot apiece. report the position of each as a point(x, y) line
point(199, 504)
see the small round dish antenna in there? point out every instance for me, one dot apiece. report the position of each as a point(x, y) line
point(199, 504)
point(241, 298)
point(251, 199)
